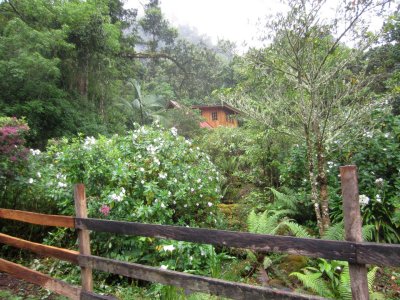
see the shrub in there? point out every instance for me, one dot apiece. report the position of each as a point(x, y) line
point(149, 175)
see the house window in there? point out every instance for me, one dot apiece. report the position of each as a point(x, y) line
point(214, 116)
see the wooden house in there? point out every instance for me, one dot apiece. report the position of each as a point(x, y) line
point(218, 115)
point(214, 115)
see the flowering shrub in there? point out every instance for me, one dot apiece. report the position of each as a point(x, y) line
point(13, 153)
point(149, 176)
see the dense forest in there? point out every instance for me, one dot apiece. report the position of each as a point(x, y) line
point(84, 92)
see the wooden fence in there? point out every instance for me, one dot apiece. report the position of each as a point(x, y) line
point(356, 252)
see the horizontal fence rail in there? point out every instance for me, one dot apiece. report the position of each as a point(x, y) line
point(38, 278)
point(45, 250)
point(366, 253)
point(184, 280)
point(38, 219)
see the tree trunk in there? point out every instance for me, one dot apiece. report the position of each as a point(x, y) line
point(313, 181)
point(323, 186)
point(83, 77)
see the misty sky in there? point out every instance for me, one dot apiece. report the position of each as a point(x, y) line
point(234, 20)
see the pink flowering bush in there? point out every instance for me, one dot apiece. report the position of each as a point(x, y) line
point(13, 153)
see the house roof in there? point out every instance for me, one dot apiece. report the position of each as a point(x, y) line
point(175, 104)
point(223, 106)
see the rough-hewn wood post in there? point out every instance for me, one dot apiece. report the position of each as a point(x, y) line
point(353, 229)
point(83, 235)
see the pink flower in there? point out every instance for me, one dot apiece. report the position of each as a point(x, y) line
point(105, 210)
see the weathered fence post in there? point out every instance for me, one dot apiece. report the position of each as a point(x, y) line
point(83, 235)
point(353, 229)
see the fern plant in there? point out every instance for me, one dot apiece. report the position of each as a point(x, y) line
point(332, 280)
point(336, 232)
point(275, 222)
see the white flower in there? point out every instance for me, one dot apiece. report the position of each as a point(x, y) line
point(185, 205)
point(386, 135)
point(199, 180)
point(162, 175)
point(34, 151)
point(164, 267)
point(169, 248)
point(156, 161)
point(209, 204)
point(141, 169)
point(201, 196)
point(368, 134)
point(116, 197)
point(142, 182)
point(378, 198)
point(169, 193)
point(379, 181)
point(30, 180)
point(175, 180)
point(90, 141)
point(174, 131)
point(364, 200)
point(62, 185)
point(162, 205)
point(197, 204)
point(38, 174)
point(174, 202)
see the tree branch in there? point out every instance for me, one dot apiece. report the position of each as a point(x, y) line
point(153, 55)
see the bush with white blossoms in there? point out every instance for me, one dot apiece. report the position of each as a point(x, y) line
point(149, 175)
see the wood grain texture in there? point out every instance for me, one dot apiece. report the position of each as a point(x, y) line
point(195, 283)
point(36, 218)
point(257, 242)
point(353, 229)
point(45, 281)
point(378, 254)
point(83, 235)
point(60, 253)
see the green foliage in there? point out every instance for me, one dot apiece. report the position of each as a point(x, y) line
point(331, 279)
point(150, 176)
point(274, 222)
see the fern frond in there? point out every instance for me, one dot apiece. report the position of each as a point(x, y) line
point(368, 232)
point(284, 200)
point(345, 286)
point(295, 229)
point(252, 222)
point(314, 282)
point(334, 232)
point(371, 278)
point(268, 223)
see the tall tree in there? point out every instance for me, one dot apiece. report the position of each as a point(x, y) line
point(309, 83)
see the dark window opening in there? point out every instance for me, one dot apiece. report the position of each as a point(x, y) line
point(214, 116)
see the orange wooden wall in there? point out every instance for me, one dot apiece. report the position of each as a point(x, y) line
point(206, 112)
